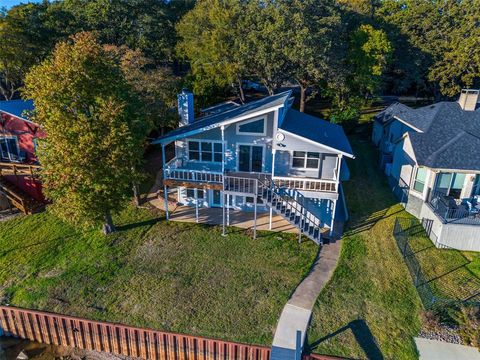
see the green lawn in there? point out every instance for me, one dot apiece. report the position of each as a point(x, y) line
point(451, 274)
point(370, 308)
point(168, 276)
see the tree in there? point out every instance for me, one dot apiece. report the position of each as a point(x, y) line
point(312, 30)
point(369, 51)
point(155, 86)
point(459, 64)
point(209, 39)
point(262, 42)
point(27, 35)
point(148, 25)
point(95, 130)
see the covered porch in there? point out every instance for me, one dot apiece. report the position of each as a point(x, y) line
point(455, 197)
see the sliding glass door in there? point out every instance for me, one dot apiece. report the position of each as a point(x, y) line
point(450, 184)
point(250, 158)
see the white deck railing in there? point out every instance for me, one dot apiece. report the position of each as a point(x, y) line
point(194, 175)
point(306, 184)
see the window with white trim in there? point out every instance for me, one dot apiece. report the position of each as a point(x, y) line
point(252, 127)
point(207, 151)
point(419, 183)
point(9, 148)
point(305, 160)
point(190, 193)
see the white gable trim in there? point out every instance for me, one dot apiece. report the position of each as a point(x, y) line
point(317, 144)
point(216, 125)
point(406, 123)
point(18, 117)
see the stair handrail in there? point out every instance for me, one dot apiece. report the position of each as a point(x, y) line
point(311, 217)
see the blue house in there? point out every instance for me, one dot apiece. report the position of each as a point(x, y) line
point(260, 156)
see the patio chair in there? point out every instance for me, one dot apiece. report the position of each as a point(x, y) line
point(472, 210)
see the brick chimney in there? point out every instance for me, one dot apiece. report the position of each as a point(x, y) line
point(468, 99)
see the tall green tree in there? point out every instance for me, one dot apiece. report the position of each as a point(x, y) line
point(95, 131)
point(369, 52)
point(155, 85)
point(311, 35)
point(209, 39)
point(28, 33)
point(262, 42)
point(148, 25)
point(458, 66)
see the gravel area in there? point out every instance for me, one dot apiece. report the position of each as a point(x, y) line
point(442, 333)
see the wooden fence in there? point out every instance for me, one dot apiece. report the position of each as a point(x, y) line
point(55, 329)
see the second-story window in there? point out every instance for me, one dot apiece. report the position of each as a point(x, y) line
point(305, 160)
point(207, 151)
point(252, 127)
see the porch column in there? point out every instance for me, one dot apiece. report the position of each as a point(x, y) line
point(333, 217)
point(165, 190)
point(255, 211)
point(270, 224)
point(195, 192)
point(274, 152)
point(340, 158)
point(222, 129)
point(228, 209)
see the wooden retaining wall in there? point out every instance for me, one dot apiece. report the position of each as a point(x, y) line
point(56, 329)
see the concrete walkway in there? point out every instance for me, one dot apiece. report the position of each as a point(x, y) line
point(298, 310)
point(439, 350)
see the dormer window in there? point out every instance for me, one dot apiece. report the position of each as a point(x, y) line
point(252, 127)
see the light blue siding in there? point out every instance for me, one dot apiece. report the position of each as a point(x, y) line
point(232, 140)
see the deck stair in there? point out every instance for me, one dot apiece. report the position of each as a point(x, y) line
point(17, 197)
point(293, 210)
point(20, 199)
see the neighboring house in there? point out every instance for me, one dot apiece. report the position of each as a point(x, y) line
point(261, 156)
point(435, 166)
point(18, 141)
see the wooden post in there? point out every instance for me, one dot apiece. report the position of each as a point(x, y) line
point(255, 211)
point(195, 191)
point(165, 190)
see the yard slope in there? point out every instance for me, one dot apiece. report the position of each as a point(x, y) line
point(168, 276)
point(369, 309)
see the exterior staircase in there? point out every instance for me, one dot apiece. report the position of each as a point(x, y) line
point(16, 196)
point(276, 198)
point(291, 210)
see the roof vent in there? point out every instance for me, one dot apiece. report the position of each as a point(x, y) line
point(468, 99)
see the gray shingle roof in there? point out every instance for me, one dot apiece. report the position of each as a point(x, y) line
point(16, 107)
point(215, 120)
point(318, 130)
point(450, 137)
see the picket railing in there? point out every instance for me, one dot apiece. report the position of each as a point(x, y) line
point(306, 184)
